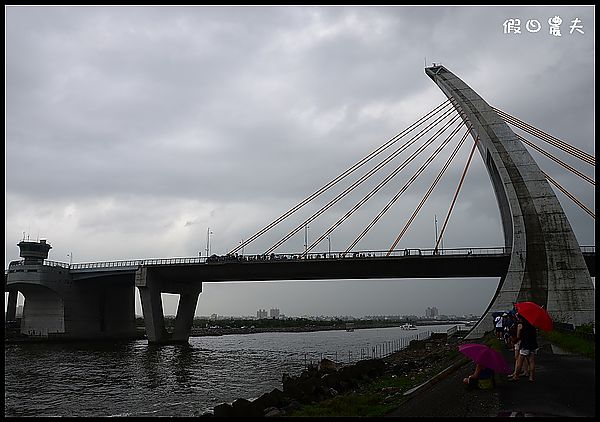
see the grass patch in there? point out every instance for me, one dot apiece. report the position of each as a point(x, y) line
point(366, 401)
point(572, 342)
point(585, 329)
point(377, 398)
point(346, 405)
point(493, 342)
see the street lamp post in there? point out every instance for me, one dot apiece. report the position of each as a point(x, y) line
point(208, 233)
point(241, 243)
point(329, 248)
point(305, 238)
point(70, 255)
point(436, 238)
point(435, 243)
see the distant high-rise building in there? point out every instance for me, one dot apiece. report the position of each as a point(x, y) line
point(431, 312)
point(274, 313)
point(261, 313)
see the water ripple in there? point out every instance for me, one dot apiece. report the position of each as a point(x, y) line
point(137, 379)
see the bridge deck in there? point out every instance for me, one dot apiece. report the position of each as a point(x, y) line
point(410, 263)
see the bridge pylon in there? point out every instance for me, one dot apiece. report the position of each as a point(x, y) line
point(546, 264)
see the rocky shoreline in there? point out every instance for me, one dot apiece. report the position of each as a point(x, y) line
point(329, 379)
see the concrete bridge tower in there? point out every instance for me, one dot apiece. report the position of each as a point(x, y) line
point(33, 253)
point(546, 265)
point(56, 306)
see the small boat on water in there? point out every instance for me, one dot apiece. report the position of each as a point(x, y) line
point(349, 327)
point(408, 327)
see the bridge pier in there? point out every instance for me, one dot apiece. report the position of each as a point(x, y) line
point(186, 309)
point(11, 311)
point(152, 310)
point(151, 286)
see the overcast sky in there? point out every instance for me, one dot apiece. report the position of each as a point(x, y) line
point(130, 131)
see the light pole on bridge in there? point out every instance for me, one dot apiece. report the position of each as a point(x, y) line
point(208, 233)
point(436, 237)
point(305, 238)
point(70, 255)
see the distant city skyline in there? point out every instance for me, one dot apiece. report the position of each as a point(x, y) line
point(263, 313)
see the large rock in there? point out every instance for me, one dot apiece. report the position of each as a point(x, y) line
point(273, 399)
point(327, 365)
point(349, 373)
point(331, 380)
point(271, 412)
point(243, 408)
point(291, 386)
point(371, 367)
point(223, 410)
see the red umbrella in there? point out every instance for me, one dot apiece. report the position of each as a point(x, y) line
point(486, 356)
point(535, 315)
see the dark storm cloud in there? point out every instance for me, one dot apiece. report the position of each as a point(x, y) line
point(152, 124)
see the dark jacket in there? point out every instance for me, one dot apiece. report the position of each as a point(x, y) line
point(528, 336)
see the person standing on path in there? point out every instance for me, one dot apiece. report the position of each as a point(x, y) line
point(514, 343)
point(527, 336)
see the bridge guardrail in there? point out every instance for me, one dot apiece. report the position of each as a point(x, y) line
point(413, 252)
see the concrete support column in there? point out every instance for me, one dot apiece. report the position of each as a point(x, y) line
point(152, 309)
point(186, 310)
point(154, 319)
point(11, 311)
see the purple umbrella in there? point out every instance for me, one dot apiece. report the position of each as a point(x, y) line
point(486, 356)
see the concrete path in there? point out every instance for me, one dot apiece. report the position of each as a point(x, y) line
point(565, 385)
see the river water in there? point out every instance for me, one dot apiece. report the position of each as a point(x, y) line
point(136, 379)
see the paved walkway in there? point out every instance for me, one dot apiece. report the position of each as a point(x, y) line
point(565, 386)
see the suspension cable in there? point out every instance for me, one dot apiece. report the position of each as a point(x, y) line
point(557, 160)
point(382, 183)
point(566, 147)
point(570, 149)
point(570, 195)
point(431, 188)
point(462, 178)
point(343, 175)
point(363, 178)
point(405, 187)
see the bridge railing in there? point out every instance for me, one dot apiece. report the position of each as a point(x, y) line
point(130, 263)
point(453, 251)
point(278, 257)
point(364, 254)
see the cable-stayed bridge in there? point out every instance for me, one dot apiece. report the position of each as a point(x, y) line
point(540, 260)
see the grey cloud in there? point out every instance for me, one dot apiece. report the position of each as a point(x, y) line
point(159, 122)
